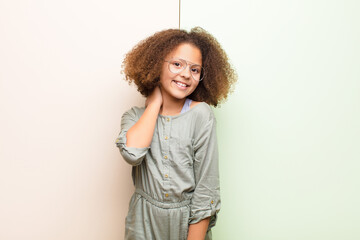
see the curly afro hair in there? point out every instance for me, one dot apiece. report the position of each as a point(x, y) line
point(143, 64)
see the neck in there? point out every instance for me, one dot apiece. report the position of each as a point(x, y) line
point(171, 106)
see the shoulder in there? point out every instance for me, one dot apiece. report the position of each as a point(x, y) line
point(134, 112)
point(202, 111)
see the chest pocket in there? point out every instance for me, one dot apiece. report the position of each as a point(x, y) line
point(184, 155)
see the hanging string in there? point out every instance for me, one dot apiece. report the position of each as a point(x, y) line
point(179, 12)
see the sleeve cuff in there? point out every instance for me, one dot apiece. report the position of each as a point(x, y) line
point(197, 216)
point(132, 155)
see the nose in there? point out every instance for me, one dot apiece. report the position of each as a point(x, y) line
point(186, 72)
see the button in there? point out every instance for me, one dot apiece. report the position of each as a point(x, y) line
point(212, 202)
point(166, 195)
point(166, 137)
point(166, 175)
point(166, 157)
point(168, 119)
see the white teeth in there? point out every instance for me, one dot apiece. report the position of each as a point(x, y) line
point(181, 84)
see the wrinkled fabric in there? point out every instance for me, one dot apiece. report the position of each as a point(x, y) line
point(176, 178)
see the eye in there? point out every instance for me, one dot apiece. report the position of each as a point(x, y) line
point(177, 64)
point(196, 69)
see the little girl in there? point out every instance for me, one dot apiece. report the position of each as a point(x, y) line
point(171, 142)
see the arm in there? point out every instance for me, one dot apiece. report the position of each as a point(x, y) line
point(140, 135)
point(198, 230)
point(138, 130)
point(205, 203)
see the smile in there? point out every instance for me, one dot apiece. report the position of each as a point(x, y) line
point(181, 84)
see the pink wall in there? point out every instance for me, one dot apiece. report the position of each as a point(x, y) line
point(61, 99)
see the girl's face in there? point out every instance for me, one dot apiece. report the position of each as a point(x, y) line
point(180, 85)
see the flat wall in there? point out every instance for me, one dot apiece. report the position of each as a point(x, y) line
point(61, 99)
point(289, 135)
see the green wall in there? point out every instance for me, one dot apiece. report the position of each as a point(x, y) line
point(289, 136)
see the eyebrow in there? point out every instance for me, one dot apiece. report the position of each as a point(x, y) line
point(187, 61)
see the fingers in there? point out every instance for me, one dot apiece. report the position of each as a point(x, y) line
point(155, 97)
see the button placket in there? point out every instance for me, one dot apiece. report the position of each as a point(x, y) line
point(167, 159)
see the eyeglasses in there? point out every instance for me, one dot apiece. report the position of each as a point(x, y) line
point(178, 65)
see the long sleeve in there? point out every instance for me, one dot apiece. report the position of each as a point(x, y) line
point(206, 198)
point(132, 155)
